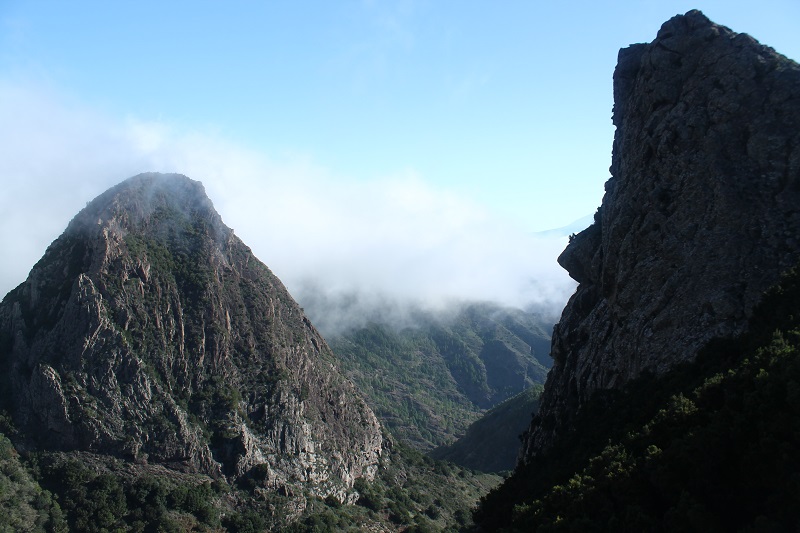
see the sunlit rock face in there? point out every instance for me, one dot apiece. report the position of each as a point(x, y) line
point(150, 332)
point(700, 216)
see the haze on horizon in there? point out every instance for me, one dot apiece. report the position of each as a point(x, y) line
point(406, 150)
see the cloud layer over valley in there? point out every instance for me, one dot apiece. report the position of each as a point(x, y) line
point(394, 237)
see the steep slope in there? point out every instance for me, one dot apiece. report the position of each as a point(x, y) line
point(491, 443)
point(699, 218)
point(672, 402)
point(149, 331)
point(710, 445)
point(24, 506)
point(429, 380)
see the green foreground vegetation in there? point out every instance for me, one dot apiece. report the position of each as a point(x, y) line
point(80, 492)
point(711, 446)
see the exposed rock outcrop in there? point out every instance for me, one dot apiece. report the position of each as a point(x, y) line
point(700, 217)
point(149, 331)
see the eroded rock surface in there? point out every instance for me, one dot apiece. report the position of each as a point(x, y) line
point(700, 216)
point(149, 331)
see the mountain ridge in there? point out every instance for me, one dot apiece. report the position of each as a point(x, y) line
point(431, 376)
point(149, 331)
point(491, 443)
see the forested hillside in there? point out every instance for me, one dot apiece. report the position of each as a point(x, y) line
point(491, 443)
point(429, 381)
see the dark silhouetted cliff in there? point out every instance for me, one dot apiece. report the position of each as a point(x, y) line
point(700, 217)
point(672, 403)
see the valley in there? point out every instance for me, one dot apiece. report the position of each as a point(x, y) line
point(159, 377)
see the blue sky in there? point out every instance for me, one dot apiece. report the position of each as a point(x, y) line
point(498, 111)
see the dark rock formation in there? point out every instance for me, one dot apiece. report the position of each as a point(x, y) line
point(700, 216)
point(150, 332)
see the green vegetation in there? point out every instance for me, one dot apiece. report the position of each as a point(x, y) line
point(412, 493)
point(408, 387)
point(101, 502)
point(491, 444)
point(100, 494)
point(711, 446)
point(428, 383)
point(24, 505)
point(422, 493)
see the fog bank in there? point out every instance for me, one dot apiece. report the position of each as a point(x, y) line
point(389, 240)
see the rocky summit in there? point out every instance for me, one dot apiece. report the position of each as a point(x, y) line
point(700, 217)
point(149, 332)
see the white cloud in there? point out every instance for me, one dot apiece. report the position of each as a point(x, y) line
point(396, 236)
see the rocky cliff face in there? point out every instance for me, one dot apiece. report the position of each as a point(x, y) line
point(149, 331)
point(700, 216)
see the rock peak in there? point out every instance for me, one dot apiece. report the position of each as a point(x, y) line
point(143, 200)
point(149, 332)
point(699, 218)
point(684, 24)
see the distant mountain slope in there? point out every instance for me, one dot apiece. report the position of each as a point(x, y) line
point(428, 381)
point(149, 331)
point(492, 443)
